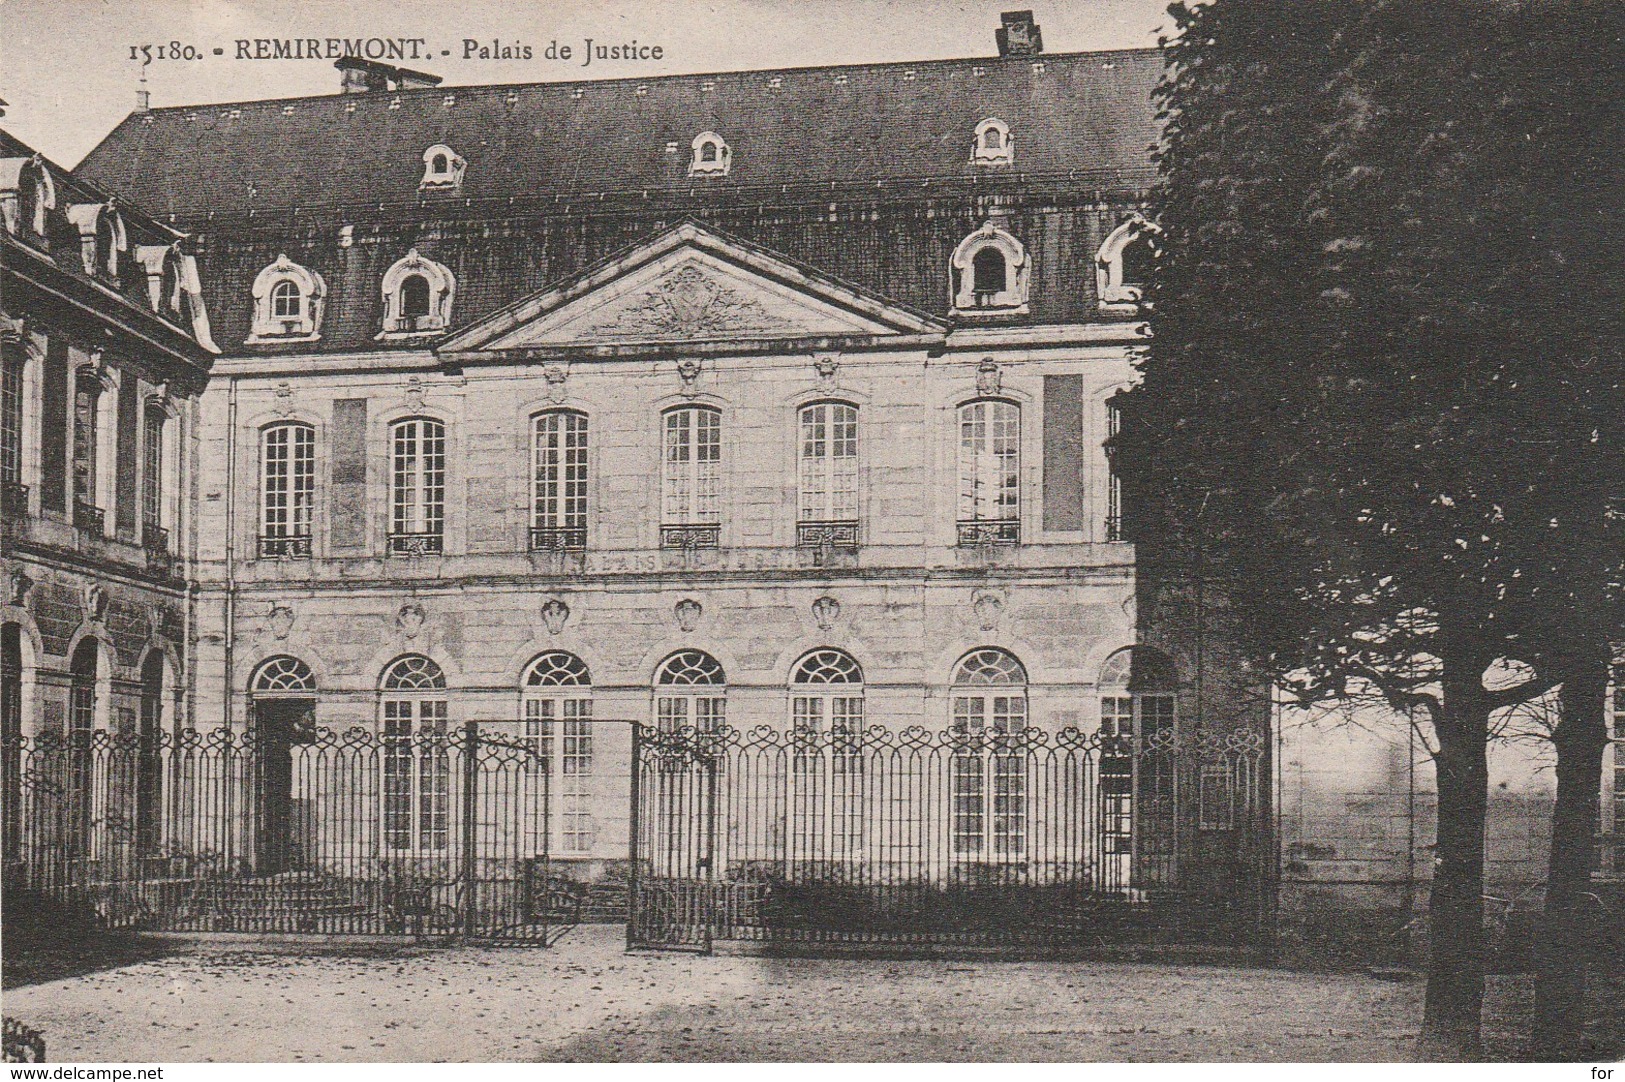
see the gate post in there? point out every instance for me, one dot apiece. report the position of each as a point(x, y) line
point(471, 774)
point(634, 828)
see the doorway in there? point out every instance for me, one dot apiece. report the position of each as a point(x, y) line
point(281, 726)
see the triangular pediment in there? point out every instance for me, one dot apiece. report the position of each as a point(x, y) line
point(690, 286)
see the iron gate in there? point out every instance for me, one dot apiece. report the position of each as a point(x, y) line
point(1029, 840)
point(432, 832)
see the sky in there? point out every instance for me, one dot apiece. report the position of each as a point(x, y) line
point(67, 73)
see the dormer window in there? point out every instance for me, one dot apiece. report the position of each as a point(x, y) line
point(711, 156)
point(288, 304)
point(993, 144)
point(1124, 264)
point(417, 297)
point(26, 193)
point(990, 274)
point(102, 239)
point(442, 169)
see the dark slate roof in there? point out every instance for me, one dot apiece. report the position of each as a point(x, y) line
point(1087, 114)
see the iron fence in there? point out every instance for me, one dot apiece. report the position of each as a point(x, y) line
point(1026, 838)
point(426, 832)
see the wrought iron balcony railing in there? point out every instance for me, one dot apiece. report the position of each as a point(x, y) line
point(89, 517)
point(690, 536)
point(1114, 528)
point(288, 547)
point(839, 534)
point(416, 544)
point(558, 539)
point(154, 538)
point(990, 532)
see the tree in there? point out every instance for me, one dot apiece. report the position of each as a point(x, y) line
point(1349, 415)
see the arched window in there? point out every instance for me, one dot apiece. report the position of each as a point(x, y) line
point(993, 144)
point(711, 156)
point(557, 701)
point(1137, 688)
point(989, 473)
point(414, 296)
point(26, 194)
point(11, 734)
point(828, 508)
point(826, 790)
point(690, 689)
point(988, 777)
point(287, 489)
point(418, 294)
point(288, 303)
point(417, 487)
point(558, 518)
point(691, 512)
point(283, 675)
point(417, 759)
point(1124, 263)
point(102, 238)
point(84, 678)
point(442, 169)
point(990, 272)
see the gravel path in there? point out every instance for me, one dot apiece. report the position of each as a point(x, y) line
point(587, 1000)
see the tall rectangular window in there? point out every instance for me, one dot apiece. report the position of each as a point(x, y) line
point(1114, 482)
point(989, 473)
point(152, 473)
point(417, 774)
point(827, 512)
point(11, 418)
point(418, 488)
point(691, 513)
point(287, 489)
point(87, 393)
point(559, 481)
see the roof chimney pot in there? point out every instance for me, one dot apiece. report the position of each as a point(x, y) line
point(1019, 36)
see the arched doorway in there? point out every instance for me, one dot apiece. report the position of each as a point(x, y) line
point(284, 710)
point(11, 746)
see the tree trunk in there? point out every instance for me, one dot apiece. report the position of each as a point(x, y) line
point(1562, 949)
point(1455, 986)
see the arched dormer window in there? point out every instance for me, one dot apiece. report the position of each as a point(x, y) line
point(417, 296)
point(993, 144)
point(102, 238)
point(442, 169)
point(712, 156)
point(166, 277)
point(288, 303)
point(990, 273)
point(1124, 262)
point(26, 194)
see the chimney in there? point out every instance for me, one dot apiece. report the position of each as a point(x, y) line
point(1019, 36)
point(364, 76)
point(143, 99)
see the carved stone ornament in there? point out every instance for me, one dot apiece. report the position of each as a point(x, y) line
point(20, 585)
point(688, 370)
point(988, 607)
point(414, 393)
point(284, 399)
point(555, 375)
point(554, 615)
point(826, 366)
point(157, 620)
point(281, 621)
point(989, 380)
point(826, 610)
point(410, 619)
point(95, 599)
point(687, 612)
point(688, 303)
point(11, 330)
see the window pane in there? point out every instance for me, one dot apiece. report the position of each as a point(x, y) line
point(560, 471)
point(11, 419)
point(693, 457)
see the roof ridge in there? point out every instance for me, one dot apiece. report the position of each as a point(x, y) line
point(447, 88)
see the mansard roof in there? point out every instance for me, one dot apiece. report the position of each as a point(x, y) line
point(1087, 116)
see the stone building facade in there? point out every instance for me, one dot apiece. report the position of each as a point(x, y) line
point(106, 352)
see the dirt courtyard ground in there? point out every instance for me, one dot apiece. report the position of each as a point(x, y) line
point(585, 999)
